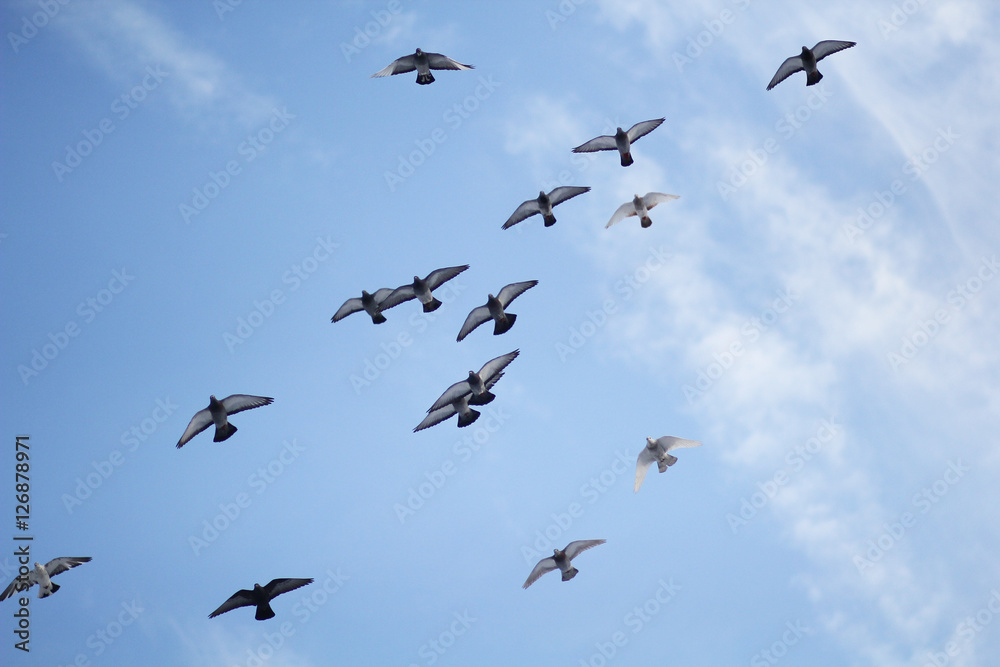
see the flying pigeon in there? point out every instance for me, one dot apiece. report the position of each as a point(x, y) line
point(41, 576)
point(494, 308)
point(475, 387)
point(561, 560)
point(218, 413)
point(260, 597)
point(621, 141)
point(543, 204)
point(370, 303)
point(423, 63)
point(460, 407)
point(421, 289)
point(639, 206)
point(807, 61)
point(659, 451)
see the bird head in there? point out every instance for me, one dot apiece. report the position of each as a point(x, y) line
point(419, 52)
point(650, 443)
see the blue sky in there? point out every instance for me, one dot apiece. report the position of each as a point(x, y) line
point(191, 193)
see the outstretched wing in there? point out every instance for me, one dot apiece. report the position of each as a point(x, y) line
point(63, 563)
point(452, 393)
point(559, 195)
point(398, 66)
point(625, 210)
point(545, 565)
point(438, 61)
point(669, 442)
point(439, 277)
point(436, 417)
point(646, 459)
point(240, 402)
point(601, 143)
point(242, 598)
point(201, 420)
point(475, 318)
point(788, 68)
point(279, 586)
point(643, 128)
point(574, 549)
point(398, 296)
point(826, 47)
point(514, 290)
point(350, 306)
point(494, 366)
point(525, 210)
point(651, 199)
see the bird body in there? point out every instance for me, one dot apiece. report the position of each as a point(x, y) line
point(658, 451)
point(422, 62)
point(218, 413)
point(806, 61)
point(42, 575)
point(621, 140)
point(561, 560)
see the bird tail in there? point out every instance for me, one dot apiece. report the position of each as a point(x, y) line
point(481, 399)
point(264, 612)
point(42, 593)
point(224, 433)
point(424, 79)
point(432, 305)
point(504, 325)
point(666, 462)
point(378, 318)
point(812, 78)
point(627, 159)
point(468, 418)
point(549, 220)
point(570, 573)
point(645, 221)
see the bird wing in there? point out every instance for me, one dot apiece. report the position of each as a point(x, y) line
point(382, 294)
point(63, 563)
point(525, 210)
point(646, 459)
point(826, 47)
point(452, 393)
point(398, 296)
point(475, 318)
point(669, 442)
point(279, 586)
point(436, 417)
point(643, 128)
point(240, 402)
point(788, 68)
point(624, 211)
point(350, 306)
point(545, 565)
point(574, 549)
point(398, 66)
point(651, 199)
point(14, 587)
point(201, 420)
point(514, 290)
point(601, 143)
point(559, 195)
point(438, 61)
point(439, 277)
point(242, 598)
point(494, 366)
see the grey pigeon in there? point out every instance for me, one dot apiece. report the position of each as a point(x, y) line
point(621, 140)
point(370, 303)
point(423, 63)
point(543, 204)
point(41, 576)
point(659, 451)
point(459, 406)
point(640, 206)
point(218, 413)
point(494, 309)
point(561, 559)
point(475, 387)
point(807, 61)
point(421, 289)
point(260, 597)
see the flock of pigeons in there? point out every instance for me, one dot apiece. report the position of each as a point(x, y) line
point(474, 390)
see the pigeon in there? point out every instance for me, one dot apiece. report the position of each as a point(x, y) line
point(561, 560)
point(218, 413)
point(639, 206)
point(41, 576)
point(543, 205)
point(260, 597)
point(476, 383)
point(370, 303)
point(621, 141)
point(494, 308)
point(459, 406)
point(423, 63)
point(658, 451)
point(421, 289)
point(807, 61)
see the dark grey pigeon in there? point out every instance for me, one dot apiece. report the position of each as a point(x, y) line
point(621, 140)
point(260, 597)
point(41, 576)
point(494, 308)
point(476, 387)
point(421, 289)
point(423, 63)
point(460, 407)
point(561, 560)
point(370, 303)
point(218, 413)
point(543, 204)
point(807, 61)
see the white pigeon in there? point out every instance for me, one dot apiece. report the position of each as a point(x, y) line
point(460, 407)
point(561, 560)
point(423, 63)
point(476, 387)
point(421, 289)
point(218, 413)
point(659, 451)
point(543, 204)
point(807, 61)
point(494, 309)
point(640, 206)
point(370, 303)
point(621, 140)
point(41, 576)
